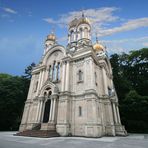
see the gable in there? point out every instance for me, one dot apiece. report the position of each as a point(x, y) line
point(54, 54)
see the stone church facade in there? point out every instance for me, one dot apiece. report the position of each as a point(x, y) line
point(71, 89)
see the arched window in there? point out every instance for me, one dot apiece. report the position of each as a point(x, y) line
point(72, 35)
point(81, 33)
point(80, 111)
point(45, 94)
point(58, 72)
point(49, 94)
point(86, 32)
point(50, 73)
point(54, 71)
point(80, 75)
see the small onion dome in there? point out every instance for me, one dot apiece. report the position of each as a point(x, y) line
point(83, 20)
point(73, 23)
point(98, 47)
point(51, 37)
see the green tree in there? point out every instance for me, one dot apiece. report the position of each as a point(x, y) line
point(13, 93)
point(121, 83)
point(134, 112)
point(130, 73)
point(137, 72)
point(28, 71)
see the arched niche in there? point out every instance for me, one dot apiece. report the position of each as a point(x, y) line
point(52, 53)
point(45, 88)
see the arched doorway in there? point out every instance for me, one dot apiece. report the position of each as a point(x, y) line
point(46, 111)
point(47, 94)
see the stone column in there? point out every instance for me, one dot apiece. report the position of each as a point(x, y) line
point(118, 115)
point(115, 114)
point(105, 82)
point(67, 77)
point(42, 78)
point(39, 81)
point(54, 108)
point(40, 111)
point(25, 113)
point(51, 110)
point(37, 111)
point(63, 76)
point(92, 74)
point(31, 88)
point(110, 113)
point(30, 113)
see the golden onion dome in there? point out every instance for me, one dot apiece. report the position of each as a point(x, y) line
point(98, 47)
point(83, 20)
point(51, 37)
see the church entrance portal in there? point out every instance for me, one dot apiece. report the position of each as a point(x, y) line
point(47, 94)
point(46, 111)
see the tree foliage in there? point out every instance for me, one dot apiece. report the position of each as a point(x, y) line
point(28, 71)
point(130, 73)
point(13, 93)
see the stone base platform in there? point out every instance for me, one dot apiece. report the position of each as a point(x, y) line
point(39, 133)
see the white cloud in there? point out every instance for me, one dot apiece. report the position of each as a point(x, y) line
point(125, 45)
point(50, 21)
point(129, 25)
point(100, 19)
point(141, 39)
point(99, 16)
point(9, 10)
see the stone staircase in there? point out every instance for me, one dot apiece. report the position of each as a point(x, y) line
point(37, 126)
point(39, 133)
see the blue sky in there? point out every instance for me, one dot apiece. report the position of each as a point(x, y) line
point(121, 25)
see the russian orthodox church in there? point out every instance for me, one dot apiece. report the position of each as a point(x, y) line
point(71, 89)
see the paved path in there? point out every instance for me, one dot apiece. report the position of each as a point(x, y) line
point(7, 140)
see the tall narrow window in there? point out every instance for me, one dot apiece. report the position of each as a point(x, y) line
point(72, 35)
point(81, 33)
point(54, 71)
point(58, 71)
point(49, 94)
point(50, 72)
point(86, 33)
point(45, 94)
point(80, 75)
point(80, 111)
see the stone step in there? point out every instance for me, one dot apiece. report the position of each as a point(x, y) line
point(39, 133)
